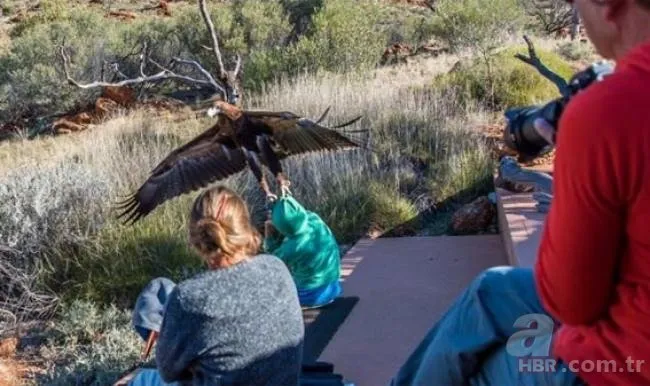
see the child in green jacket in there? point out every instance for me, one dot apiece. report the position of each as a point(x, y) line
point(307, 246)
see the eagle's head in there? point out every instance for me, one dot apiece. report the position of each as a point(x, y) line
point(222, 107)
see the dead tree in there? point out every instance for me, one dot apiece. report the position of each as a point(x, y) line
point(553, 15)
point(225, 83)
point(575, 23)
point(546, 72)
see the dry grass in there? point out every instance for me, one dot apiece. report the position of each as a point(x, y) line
point(57, 192)
point(5, 40)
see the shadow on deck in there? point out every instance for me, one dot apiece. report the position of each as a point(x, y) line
point(394, 291)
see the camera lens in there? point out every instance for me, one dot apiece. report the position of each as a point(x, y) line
point(520, 134)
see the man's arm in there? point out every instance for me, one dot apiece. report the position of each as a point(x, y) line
point(581, 240)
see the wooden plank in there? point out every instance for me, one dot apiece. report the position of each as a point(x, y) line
point(520, 225)
point(398, 289)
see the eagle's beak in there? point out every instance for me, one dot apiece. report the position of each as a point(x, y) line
point(213, 111)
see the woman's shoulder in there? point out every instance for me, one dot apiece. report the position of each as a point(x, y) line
point(270, 268)
point(270, 263)
point(263, 265)
point(248, 282)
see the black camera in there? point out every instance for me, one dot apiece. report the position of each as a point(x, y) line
point(521, 136)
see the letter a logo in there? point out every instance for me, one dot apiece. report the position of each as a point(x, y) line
point(531, 340)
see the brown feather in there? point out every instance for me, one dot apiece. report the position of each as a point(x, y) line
point(217, 153)
point(295, 135)
point(192, 166)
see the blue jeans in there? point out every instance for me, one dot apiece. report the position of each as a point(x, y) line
point(149, 377)
point(468, 346)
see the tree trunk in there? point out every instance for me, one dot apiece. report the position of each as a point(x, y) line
point(575, 23)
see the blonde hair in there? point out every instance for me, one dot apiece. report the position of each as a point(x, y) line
point(220, 228)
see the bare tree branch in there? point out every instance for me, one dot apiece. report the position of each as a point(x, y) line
point(237, 65)
point(575, 22)
point(429, 4)
point(213, 36)
point(143, 59)
point(115, 68)
point(223, 81)
point(553, 15)
point(203, 71)
point(164, 74)
point(534, 61)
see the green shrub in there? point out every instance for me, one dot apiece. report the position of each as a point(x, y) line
point(359, 203)
point(263, 24)
point(515, 82)
point(546, 17)
point(49, 11)
point(480, 25)
point(577, 51)
point(407, 24)
point(89, 345)
point(388, 208)
point(158, 247)
point(344, 36)
point(300, 13)
point(6, 9)
point(31, 73)
point(31, 76)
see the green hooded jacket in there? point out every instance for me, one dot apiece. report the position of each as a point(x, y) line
point(307, 245)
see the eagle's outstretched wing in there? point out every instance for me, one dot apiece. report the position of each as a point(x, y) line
point(210, 156)
point(292, 135)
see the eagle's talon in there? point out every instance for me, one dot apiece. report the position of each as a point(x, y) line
point(284, 185)
point(285, 190)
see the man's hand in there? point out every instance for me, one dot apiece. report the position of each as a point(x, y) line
point(545, 129)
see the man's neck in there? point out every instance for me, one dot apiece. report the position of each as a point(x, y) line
point(636, 31)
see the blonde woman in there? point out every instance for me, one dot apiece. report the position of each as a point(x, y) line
point(238, 323)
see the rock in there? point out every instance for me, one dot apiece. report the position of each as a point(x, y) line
point(8, 347)
point(510, 171)
point(514, 187)
point(374, 232)
point(122, 95)
point(477, 216)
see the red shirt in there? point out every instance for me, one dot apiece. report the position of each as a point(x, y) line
point(593, 267)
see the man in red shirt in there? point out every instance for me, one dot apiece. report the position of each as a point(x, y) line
point(591, 280)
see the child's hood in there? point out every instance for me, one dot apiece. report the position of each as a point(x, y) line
point(288, 216)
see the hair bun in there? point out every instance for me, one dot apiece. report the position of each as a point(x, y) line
point(207, 235)
point(220, 226)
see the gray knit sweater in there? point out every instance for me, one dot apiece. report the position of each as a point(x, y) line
point(240, 325)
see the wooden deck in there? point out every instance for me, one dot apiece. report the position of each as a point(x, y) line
point(520, 224)
point(395, 290)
